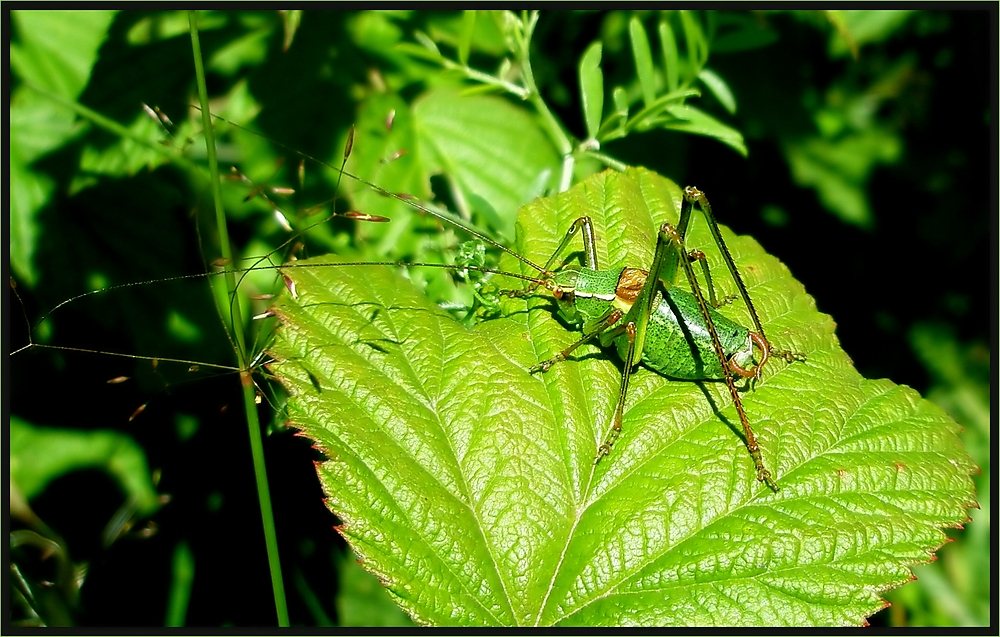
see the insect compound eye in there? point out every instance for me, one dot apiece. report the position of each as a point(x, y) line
point(562, 294)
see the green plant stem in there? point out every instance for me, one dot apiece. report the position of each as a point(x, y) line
point(557, 133)
point(560, 139)
point(250, 406)
point(180, 586)
point(607, 160)
point(486, 78)
point(654, 108)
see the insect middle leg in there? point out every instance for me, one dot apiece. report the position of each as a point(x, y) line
point(630, 330)
point(635, 326)
point(694, 196)
point(698, 255)
point(608, 321)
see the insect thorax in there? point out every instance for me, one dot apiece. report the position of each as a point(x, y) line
point(588, 295)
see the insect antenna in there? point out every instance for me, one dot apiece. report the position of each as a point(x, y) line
point(265, 262)
point(401, 197)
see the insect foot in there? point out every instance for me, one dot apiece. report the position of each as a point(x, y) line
point(763, 475)
point(726, 300)
point(546, 365)
point(789, 356)
point(605, 447)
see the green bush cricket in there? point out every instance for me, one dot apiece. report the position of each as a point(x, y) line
point(673, 332)
point(641, 313)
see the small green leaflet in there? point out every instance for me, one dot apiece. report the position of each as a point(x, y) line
point(468, 486)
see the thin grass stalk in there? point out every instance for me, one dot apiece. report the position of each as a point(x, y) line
point(249, 403)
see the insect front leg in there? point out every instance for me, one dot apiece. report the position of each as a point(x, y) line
point(585, 227)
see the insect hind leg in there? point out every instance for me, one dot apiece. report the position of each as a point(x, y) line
point(672, 235)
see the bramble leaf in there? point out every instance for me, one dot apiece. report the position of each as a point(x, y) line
point(467, 485)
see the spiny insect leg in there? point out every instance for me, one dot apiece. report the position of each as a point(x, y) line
point(669, 233)
point(612, 318)
point(616, 419)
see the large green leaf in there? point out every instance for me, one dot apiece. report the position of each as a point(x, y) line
point(468, 485)
point(490, 153)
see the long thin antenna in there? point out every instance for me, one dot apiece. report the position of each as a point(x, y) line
point(257, 267)
point(447, 218)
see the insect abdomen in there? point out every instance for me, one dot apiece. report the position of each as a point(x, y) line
point(683, 349)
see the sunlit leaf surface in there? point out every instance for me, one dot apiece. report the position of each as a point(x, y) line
point(468, 485)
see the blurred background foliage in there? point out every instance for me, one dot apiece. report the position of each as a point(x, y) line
point(854, 145)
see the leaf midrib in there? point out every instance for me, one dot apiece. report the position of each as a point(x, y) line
point(695, 424)
point(608, 207)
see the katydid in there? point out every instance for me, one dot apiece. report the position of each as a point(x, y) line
point(641, 313)
point(673, 332)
